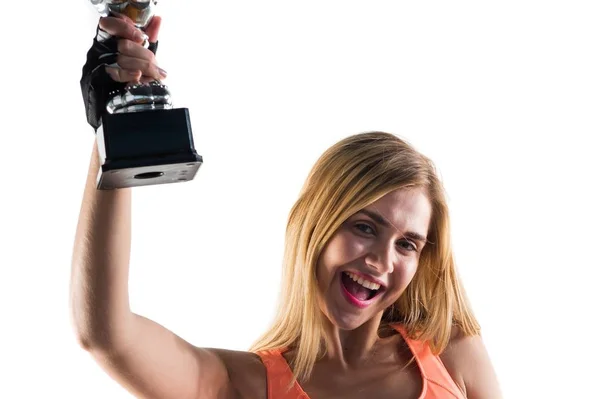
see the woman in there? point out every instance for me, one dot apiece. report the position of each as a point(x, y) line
point(372, 306)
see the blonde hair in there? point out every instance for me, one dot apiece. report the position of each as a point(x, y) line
point(349, 176)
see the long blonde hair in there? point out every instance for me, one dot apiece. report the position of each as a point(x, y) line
point(349, 176)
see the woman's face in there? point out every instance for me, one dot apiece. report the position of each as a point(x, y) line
point(372, 257)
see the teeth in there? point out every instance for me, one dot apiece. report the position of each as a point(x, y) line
point(363, 282)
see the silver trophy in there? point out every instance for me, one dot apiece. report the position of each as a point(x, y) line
point(142, 139)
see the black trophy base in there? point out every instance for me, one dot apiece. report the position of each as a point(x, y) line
point(146, 148)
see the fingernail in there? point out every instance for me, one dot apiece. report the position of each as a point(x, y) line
point(132, 73)
point(162, 72)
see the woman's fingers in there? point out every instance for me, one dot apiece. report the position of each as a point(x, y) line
point(146, 67)
point(131, 49)
point(123, 28)
point(123, 75)
point(153, 28)
point(134, 61)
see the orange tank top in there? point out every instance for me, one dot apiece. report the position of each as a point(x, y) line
point(437, 383)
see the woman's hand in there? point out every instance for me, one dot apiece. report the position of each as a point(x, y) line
point(135, 62)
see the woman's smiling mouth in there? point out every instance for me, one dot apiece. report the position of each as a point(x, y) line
point(359, 291)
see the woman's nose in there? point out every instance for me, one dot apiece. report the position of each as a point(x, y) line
point(381, 258)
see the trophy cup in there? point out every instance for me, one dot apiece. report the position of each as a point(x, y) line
point(142, 139)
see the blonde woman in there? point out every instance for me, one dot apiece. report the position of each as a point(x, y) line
point(373, 307)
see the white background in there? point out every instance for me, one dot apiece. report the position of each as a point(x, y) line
point(503, 96)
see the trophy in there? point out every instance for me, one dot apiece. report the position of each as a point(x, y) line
point(142, 139)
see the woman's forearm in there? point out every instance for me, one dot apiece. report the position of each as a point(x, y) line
point(100, 264)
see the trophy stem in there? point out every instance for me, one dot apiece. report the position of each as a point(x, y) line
point(140, 97)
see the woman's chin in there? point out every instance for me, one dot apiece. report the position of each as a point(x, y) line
point(347, 321)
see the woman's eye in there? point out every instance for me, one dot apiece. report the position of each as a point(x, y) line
point(365, 228)
point(407, 245)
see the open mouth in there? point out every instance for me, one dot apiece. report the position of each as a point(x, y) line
point(359, 291)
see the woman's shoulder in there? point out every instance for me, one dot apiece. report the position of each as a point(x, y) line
point(450, 355)
point(466, 359)
point(247, 372)
point(454, 350)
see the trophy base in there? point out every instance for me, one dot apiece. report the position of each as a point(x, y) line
point(146, 148)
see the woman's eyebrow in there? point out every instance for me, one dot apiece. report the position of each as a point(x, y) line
point(380, 219)
point(377, 217)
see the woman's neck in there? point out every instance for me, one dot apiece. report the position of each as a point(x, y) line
point(350, 349)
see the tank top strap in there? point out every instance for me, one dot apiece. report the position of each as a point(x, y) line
point(435, 376)
point(279, 376)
